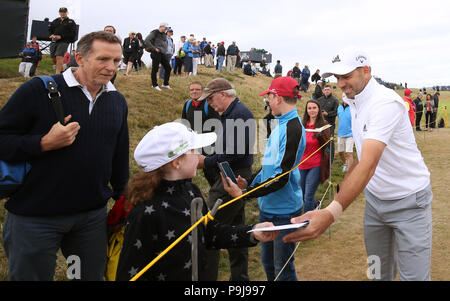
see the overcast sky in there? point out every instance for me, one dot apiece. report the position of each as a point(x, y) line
point(406, 40)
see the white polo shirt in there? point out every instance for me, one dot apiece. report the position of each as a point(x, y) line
point(71, 81)
point(379, 113)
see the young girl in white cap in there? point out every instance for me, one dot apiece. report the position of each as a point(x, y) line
point(162, 196)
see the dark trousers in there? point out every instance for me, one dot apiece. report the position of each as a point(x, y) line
point(433, 120)
point(428, 119)
point(162, 71)
point(233, 214)
point(418, 118)
point(178, 64)
point(159, 58)
point(33, 69)
point(31, 244)
point(137, 64)
point(268, 118)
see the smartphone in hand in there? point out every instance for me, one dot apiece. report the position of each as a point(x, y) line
point(226, 170)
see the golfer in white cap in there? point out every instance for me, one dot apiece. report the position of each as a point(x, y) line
point(391, 171)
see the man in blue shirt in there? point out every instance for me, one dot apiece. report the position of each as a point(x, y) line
point(278, 69)
point(282, 199)
point(345, 138)
point(202, 53)
point(305, 78)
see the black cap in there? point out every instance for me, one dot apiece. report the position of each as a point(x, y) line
point(63, 9)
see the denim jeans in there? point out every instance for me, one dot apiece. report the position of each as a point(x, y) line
point(220, 61)
point(275, 254)
point(309, 181)
point(31, 244)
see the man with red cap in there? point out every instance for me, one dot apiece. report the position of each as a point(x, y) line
point(280, 200)
point(410, 106)
point(220, 55)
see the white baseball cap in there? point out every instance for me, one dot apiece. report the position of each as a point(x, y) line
point(167, 142)
point(345, 62)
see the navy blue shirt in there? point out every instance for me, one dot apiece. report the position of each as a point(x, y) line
point(238, 138)
point(75, 178)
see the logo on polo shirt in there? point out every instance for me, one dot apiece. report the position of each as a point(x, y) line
point(336, 59)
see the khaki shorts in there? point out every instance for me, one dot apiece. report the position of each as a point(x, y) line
point(345, 144)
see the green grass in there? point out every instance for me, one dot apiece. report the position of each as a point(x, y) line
point(9, 67)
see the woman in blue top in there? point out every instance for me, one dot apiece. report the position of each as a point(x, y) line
point(188, 49)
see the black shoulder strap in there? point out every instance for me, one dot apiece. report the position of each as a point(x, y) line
point(54, 95)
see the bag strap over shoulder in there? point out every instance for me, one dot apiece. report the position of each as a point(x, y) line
point(54, 95)
point(189, 103)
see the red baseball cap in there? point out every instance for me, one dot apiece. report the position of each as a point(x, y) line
point(283, 86)
point(407, 92)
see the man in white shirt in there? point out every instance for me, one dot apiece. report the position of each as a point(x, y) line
point(179, 55)
point(391, 171)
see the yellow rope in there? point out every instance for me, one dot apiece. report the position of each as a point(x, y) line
point(274, 179)
point(208, 215)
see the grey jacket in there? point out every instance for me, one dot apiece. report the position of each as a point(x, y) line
point(330, 105)
point(156, 39)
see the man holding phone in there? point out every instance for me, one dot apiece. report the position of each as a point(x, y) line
point(282, 199)
point(227, 172)
point(234, 144)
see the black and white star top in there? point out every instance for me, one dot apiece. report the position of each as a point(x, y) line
point(155, 224)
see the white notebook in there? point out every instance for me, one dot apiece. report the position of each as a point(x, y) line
point(319, 129)
point(281, 227)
